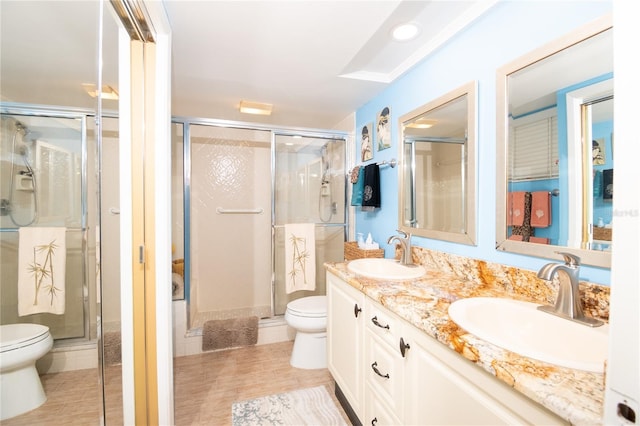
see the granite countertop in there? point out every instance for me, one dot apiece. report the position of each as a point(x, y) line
point(574, 395)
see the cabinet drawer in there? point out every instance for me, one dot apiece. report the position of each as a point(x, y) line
point(377, 412)
point(383, 324)
point(384, 370)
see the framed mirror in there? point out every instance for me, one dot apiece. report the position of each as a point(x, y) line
point(437, 182)
point(554, 148)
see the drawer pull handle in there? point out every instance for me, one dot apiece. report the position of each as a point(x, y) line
point(356, 310)
point(375, 368)
point(375, 321)
point(374, 421)
point(403, 347)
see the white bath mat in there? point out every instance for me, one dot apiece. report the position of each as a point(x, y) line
point(311, 406)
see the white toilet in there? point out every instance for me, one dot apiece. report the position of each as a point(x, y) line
point(308, 316)
point(21, 345)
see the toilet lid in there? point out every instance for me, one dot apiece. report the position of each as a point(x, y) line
point(14, 336)
point(312, 306)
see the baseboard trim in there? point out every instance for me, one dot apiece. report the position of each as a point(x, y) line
point(355, 421)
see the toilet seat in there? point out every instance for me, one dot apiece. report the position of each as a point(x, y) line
point(309, 307)
point(16, 336)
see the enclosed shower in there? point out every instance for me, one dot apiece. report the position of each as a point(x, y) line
point(43, 185)
point(235, 186)
point(22, 180)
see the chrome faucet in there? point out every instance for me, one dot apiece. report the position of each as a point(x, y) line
point(568, 304)
point(405, 242)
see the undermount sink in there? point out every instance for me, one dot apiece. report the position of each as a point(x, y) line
point(521, 328)
point(385, 269)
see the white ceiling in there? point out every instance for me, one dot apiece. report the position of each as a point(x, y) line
point(315, 61)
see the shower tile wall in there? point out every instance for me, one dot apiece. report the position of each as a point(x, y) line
point(230, 253)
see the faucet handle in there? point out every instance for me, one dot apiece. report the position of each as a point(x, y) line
point(570, 259)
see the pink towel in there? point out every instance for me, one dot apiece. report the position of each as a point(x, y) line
point(539, 240)
point(515, 208)
point(516, 237)
point(540, 209)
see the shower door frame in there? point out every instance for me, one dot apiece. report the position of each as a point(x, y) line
point(42, 111)
point(186, 122)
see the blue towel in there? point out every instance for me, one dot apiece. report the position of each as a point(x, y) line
point(597, 184)
point(358, 189)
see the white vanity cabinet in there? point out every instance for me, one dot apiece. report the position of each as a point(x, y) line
point(345, 340)
point(392, 373)
point(442, 388)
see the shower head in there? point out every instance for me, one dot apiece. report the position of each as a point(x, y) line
point(22, 128)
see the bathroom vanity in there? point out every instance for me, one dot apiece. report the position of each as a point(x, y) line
point(397, 358)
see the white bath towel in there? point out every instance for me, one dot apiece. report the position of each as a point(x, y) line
point(41, 270)
point(300, 256)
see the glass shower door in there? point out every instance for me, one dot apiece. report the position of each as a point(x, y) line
point(229, 223)
point(309, 187)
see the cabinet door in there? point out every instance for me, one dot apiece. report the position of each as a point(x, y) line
point(438, 395)
point(345, 340)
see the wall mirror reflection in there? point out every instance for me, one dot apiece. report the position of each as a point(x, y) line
point(437, 183)
point(59, 171)
point(554, 149)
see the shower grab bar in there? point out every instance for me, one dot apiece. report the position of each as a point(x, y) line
point(16, 229)
point(220, 210)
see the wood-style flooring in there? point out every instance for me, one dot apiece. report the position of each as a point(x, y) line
point(205, 387)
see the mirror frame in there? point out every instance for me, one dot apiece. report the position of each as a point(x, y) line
point(469, 237)
point(587, 257)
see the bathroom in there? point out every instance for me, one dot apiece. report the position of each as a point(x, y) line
point(384, 223)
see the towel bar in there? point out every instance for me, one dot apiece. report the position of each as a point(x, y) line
point(392, 163)
point(220, 210)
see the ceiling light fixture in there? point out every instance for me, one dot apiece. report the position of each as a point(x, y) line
point(108, 92)
point(405, 32)
point(257, 108)
point(422, 123)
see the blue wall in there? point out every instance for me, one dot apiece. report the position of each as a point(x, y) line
point(509, 30)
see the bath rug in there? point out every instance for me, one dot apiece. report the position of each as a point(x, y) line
point(112, 348)
point(311, 406)
point(229, 333)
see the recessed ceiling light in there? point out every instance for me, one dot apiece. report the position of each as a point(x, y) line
point(422, 123)
point(405, 32)
point(257, 108)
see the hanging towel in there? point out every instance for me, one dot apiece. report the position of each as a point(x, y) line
point(371, 193)
point(357, 179)
point(597, 184)
point(41, 270)
point(515, 208)
point(607, 184)
point(300, 256)
point(540, 209)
